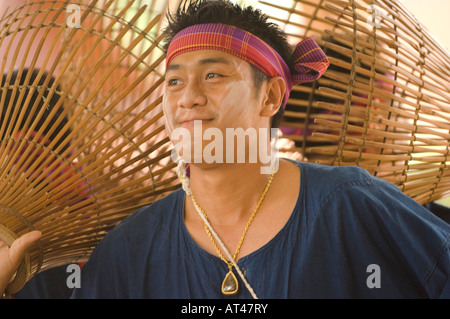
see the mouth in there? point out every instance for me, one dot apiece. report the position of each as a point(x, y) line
point(191, 122)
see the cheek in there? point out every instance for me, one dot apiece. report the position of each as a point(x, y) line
point(239, 102)
point(168, 114)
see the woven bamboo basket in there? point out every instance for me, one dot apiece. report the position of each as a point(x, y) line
point(82, 139)
point(384, 102)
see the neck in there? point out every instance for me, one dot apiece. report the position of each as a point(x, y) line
point(228, 193)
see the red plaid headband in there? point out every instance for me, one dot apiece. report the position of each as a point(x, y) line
point(310, 61)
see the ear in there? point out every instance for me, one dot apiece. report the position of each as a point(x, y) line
point(273, 97)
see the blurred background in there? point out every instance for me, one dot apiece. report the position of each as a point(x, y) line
point(434, 15)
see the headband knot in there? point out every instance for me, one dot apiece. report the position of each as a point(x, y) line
point(310, 61)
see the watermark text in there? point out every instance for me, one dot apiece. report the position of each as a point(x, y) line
point(235, 145)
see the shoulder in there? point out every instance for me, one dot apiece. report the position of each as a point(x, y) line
point(151, 217)
point(146, 225)
point(126, 249)
point(335, 176)
point(351, 197)
point(321, 182)
point(345, 190)
point(373, 221)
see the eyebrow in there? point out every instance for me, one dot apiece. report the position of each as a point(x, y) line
point(201, 62)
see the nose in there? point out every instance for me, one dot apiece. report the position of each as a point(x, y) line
point(192, 95)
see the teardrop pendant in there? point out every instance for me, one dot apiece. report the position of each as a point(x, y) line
point(230, 284)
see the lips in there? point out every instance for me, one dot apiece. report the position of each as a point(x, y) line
point(190, 121)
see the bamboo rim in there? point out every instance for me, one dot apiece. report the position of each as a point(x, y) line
point(21, 275)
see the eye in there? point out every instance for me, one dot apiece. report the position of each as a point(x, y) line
point(212, 75)
point(172, 82)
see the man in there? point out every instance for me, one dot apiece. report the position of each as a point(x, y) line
point(301, 231)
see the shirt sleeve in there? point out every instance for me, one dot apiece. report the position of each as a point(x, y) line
point(393, 230)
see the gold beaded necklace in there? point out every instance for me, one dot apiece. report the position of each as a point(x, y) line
point(230, 284)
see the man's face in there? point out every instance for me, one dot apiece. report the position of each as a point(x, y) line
point(214, 87)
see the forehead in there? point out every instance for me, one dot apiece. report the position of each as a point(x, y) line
point(199, 58)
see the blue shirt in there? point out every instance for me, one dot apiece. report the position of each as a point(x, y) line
point(350, 235)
